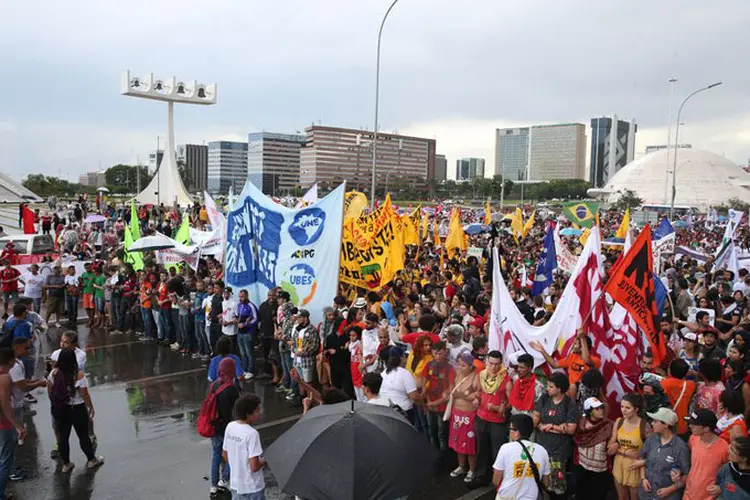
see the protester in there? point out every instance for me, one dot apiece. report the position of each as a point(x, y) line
point(463, 395)
point(707, 454)
point(591, 438)
point(226, 393)
point(628, 436)
point(733, 478)
point(243, 452)
point(522, 468)
point(399, 385)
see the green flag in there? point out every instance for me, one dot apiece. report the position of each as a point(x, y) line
point(183, 233)
point(135, 225)
point(134, 258)
point(582, 213)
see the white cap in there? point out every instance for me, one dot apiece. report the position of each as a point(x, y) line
point(592, 403)
point(690, 336)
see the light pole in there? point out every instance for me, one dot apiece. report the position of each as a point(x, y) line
point(377, 102)
point(677, 141)
point(672, 82)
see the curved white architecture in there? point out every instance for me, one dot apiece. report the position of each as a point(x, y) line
point(703, 179)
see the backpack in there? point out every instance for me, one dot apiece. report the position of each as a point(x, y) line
point(209, 412)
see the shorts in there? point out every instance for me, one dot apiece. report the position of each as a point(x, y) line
point(9, 295)
point(462, 438)
point(88, 301)
point(306, 374)
point(99, 301)
point(55, 305)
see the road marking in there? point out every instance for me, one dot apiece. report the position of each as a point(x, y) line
point(474, 494)
point(165, 376)
point(278, 421)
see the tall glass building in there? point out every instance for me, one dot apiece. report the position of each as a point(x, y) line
point(227, 166)
point(612, 147)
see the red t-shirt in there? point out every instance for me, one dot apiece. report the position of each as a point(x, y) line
point(411, 338)
point(9, 274)
point(163, 296)
point(496, 398)
point(438, 379)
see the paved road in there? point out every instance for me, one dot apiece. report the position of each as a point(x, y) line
point(147, 399)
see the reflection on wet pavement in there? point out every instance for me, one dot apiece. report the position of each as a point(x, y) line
point(147, 400)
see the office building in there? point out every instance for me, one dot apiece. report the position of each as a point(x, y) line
point(441, 168)
point(541, 152)
point(273, 161)
point(469, 168)
point(227, 166)
point(612, 147)
point(192, 159)
point(512, 153)
point(332, 155)
point(154, 160)
point(659, 147)
point(92, 179)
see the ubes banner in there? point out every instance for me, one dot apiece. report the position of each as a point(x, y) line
point(372, 249)
point(269, 245)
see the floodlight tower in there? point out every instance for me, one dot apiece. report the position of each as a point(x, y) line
point(167, 184)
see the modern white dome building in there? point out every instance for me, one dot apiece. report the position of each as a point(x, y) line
point(703, 179)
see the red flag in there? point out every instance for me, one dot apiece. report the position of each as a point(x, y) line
point(28, 221)
point(632, 286)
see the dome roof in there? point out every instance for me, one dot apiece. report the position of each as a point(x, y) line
point(703, 179)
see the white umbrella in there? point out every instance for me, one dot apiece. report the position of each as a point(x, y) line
point(103, 189)
point(155, 242)
point(94, 218)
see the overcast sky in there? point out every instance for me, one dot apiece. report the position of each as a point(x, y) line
point(451, 69)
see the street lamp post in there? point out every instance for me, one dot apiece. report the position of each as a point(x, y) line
point(377, 102)
point(677, 142)
point(672, 82)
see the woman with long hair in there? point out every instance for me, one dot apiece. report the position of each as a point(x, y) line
point(628, 435)
point(709, 390)
point(71, 408)
point(418, 358)
point(731, 409)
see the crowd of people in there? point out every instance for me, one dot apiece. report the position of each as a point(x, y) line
point(419, 345)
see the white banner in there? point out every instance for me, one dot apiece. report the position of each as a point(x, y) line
point(735, 216)
point(474, 252)
point(171, 256)
point(566, 261)
point(269, 245)
point(218, 225)
point(208, 241)
point(662, 246)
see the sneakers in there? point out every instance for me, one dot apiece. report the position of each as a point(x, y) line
point(196, 355)
point(280, 388)
point(31, 399)
point(213, 492)
point(16, 476)
point(247, 376)
point(223, 485)
point(175, 346)
point(93, 464)
point(459, 471)
point(469, 477)
point(67, 468)
point(58, 325)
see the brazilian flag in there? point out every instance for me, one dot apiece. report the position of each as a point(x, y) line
point(582, 213)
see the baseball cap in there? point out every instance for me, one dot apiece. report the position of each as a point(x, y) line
point(304, 313)
point(703, 417)
point(690, 336)
point(478, 322)
point(664, 415)
point(592, 403)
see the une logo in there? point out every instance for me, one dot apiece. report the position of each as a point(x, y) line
point(307, 226)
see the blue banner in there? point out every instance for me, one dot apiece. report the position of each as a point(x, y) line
point(547, 263)
point(269, 245)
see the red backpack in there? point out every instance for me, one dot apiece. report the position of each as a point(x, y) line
point(209, 413)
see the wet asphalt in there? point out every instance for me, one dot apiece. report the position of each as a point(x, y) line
point(147, 400)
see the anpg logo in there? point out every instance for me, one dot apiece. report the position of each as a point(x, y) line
point(307, 226)
point(299, 281)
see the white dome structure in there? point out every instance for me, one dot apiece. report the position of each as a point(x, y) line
point(703, 179)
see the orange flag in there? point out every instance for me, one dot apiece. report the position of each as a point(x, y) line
point(631, 284)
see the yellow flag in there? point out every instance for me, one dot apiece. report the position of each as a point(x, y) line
point(624, 225)
point(487, 213)
point(529, 224)
point(435, 235)
point(425, 228)
point(411, 225)
point(456, 238)
point(584, 236)
point(354, 203)
point(516, 224)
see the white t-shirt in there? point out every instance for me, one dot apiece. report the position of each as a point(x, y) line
point(242, 442)
point(515, 468)
point(396, 386)
point(80, 357)
point(71, 280)
point(32, 287)
point(379, 401)
point(229, 313)
point(17, 373)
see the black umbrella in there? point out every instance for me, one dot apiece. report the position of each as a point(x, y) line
point(351, 451)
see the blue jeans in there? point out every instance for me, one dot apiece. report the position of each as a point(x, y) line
point(165, 316)
point(71, 305)
point(245, 343)
point(187, 332)
point(436, 429)
point(287, 364)
point(217, 443)
point(8, 442)
point(200, 334)
point(258, 495)
point(116, 312)
point(146, 316)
